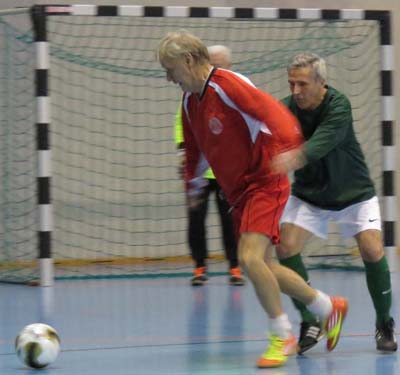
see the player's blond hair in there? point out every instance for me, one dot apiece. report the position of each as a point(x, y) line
point(312, 60)
point(177, 44)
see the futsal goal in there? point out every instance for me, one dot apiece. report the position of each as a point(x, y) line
point(89, 165)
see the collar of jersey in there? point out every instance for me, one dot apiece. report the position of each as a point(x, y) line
point(204, 88)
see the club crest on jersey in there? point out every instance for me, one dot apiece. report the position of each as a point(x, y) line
point(215, 125)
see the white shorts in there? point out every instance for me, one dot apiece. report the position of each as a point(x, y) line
point(351, 220)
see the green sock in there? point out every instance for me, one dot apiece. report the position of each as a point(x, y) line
point(380, 288)
point(296, 264)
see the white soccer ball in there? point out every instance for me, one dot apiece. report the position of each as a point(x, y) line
point(37, 345)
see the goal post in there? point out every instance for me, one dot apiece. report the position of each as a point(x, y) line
point(110, 202)
point(42, 124)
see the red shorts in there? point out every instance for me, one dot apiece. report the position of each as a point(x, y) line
point(260, 210)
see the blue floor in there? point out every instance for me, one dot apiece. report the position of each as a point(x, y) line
point(164, 326)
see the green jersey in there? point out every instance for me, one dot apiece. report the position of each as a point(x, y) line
point(336, 175)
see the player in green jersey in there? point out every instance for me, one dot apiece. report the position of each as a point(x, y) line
point(331, 183)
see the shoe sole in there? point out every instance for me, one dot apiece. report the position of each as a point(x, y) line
point(277, 364)
point(386, 351)
point(291, 352)
point(319, 338)
point(198, 281)
point(197, 284)
point(236, 283)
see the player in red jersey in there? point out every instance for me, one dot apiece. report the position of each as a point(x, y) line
point(239, 131)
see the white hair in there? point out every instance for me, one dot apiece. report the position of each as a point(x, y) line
point(312, 60)
point(223, 50)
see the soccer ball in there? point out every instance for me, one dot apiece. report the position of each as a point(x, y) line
point(37, 345)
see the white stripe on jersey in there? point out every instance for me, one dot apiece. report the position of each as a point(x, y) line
point(246, 79)
point(254, 125)
point(185, 104)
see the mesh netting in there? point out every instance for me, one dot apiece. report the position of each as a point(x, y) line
point(119, 206)
point(18, 201)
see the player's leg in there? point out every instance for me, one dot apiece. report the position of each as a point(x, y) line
point(256, 219)
point(197, 238)
point(268, 278)
point(363, 221)
point(229, 237)
point(259, 228)
point(331, 311)
point(293, 238)
point(379, 286)
point(251, 250)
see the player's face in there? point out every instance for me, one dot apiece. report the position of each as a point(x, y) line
point(178, 71)
point(308, 92)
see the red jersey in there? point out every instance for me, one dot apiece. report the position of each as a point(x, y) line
point(236, 129)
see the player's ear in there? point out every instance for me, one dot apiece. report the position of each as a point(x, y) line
point(322, 82)
point(189, 59)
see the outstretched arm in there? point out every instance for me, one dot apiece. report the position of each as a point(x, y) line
point(289, 161)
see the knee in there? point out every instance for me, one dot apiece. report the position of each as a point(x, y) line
point(370, 245)
point(246, 258)
point(293, 239)
point(372, 253)
point(249, 257)
point(286, 250)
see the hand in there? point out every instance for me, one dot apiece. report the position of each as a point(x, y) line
point(196, 194)
point(193, 201)
point(288, 161)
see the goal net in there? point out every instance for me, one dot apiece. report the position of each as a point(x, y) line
point(118, 202)
point(18, 197)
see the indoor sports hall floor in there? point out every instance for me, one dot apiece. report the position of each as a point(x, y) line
point(164, 326)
